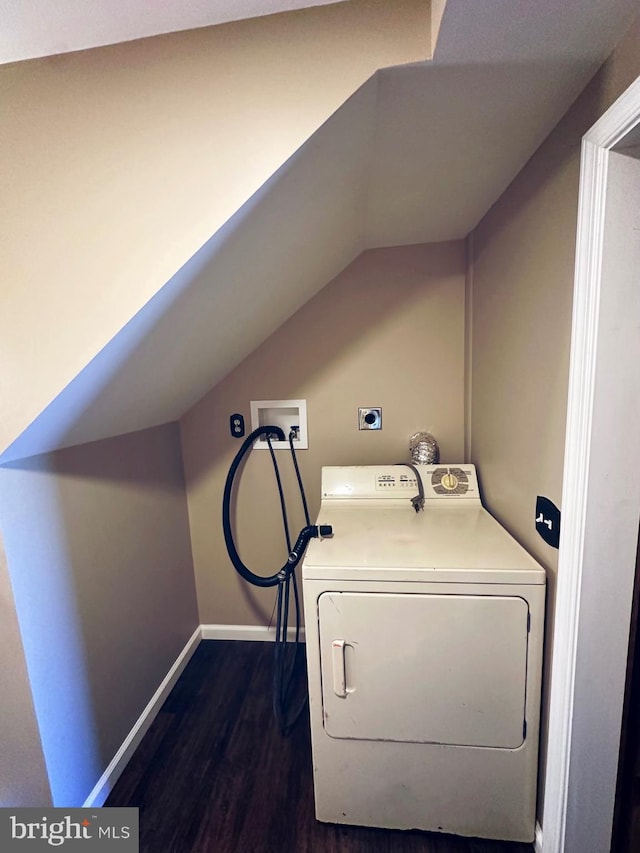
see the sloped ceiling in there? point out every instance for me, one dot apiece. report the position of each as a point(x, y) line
point(278, 250)
point(418, 154)
point(120, 163)
point(32, 28)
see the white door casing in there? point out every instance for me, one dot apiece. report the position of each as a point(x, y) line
point(601, 494)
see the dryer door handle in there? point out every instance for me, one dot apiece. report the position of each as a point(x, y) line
point(339, 673)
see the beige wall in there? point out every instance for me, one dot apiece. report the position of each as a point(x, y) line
point(23, 775)
point(98, 548)
point(181, 343)
point(521, 278)
point(522, 258)
point(522, 286)
point(120, 162)
point(388, 331)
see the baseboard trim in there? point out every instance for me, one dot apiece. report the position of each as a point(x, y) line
point(257, 633)
point(105, 783)
point(537, 844)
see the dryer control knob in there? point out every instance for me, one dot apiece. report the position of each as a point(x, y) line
point(449, 481)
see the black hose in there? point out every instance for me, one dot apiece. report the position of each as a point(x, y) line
point(295, 554)
point(283, 675)
point(283, 506)
point(300, 486)
point(244, 571)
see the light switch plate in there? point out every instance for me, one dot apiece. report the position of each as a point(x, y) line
point(548, 521)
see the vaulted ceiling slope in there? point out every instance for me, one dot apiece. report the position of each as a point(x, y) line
point(32, 28)
point(418, 154)
point(121, 162)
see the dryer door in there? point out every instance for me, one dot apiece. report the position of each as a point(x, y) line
point(447, 669)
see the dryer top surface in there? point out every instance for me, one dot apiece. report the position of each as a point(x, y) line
point(448, 544)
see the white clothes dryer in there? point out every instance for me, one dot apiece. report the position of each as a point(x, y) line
point(424, 639)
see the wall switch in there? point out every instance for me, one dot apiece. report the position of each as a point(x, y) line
point(236, 425)
point(548, 521)
point(370, 418)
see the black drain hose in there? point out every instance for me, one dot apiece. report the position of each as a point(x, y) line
point(284, 578)
point(311, 531)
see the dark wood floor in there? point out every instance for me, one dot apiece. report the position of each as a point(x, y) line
point(214, 774)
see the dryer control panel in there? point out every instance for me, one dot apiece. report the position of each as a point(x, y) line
point(451, 480)
point(441, 483)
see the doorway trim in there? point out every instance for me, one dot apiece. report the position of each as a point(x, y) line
point(580, 452)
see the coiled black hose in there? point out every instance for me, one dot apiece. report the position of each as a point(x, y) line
point(307, 533)
point(284, 578)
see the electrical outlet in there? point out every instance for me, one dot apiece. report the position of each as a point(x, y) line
point(370, 418)
point(236, 425)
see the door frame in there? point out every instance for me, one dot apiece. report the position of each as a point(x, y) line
point(570, 703)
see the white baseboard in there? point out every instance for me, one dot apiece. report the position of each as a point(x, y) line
point(105, 783)
point(258, 633)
